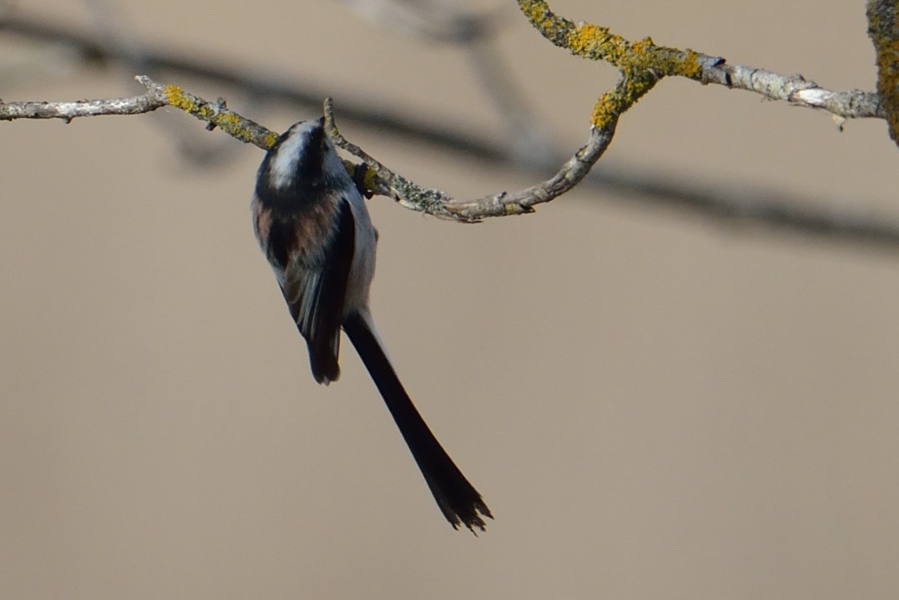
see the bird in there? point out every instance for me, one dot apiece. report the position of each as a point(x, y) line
point(313, 226)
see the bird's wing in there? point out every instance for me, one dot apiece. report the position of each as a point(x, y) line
point(314, 285)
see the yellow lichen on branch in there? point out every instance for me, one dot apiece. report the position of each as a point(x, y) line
point(613, 103)
point(595, 42)
point(883, 29)
point(642, 63)
point(216, 114)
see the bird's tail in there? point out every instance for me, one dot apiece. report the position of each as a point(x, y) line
point(460, 502)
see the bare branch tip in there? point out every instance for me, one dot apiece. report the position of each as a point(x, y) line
point(330, 124)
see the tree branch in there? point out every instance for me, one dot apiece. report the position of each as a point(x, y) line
point(598, 43)
point(378, 178)
point(67, 111)
point(729, 204)
point(381, 180)
point(883, 29)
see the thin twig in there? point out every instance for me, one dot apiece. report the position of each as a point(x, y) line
point(379, 178)
point(440, 204)
point(133, 105)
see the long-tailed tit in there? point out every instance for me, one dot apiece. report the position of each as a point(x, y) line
point(314, 228)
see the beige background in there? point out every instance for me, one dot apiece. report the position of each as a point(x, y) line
point(653, 406)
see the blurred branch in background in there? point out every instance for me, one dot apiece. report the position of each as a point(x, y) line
point(734, 203)
point(476, 35)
